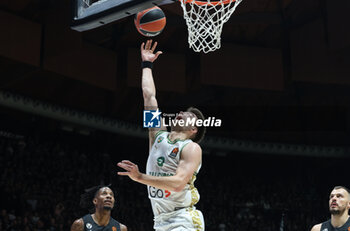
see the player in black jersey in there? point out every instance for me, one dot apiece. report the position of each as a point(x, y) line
point(99, 199)
point(339, 205)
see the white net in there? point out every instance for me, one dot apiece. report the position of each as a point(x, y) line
point(87, 2)
point(205, 20)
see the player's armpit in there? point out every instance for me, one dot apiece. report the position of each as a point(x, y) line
point(78, 225)
point(153, 132)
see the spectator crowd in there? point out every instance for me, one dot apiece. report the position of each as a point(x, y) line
point(43, 175)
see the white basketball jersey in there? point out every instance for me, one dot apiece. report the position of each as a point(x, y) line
point(163, 160)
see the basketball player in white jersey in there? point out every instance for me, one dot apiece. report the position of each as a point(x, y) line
point(174, 160)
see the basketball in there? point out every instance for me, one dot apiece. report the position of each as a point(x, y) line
point(150, 22)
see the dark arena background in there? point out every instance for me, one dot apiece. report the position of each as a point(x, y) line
point(71, 108)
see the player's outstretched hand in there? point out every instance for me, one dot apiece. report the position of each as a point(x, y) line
point(131, 170)
point(147, 51)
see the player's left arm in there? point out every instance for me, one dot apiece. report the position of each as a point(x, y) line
point(316, 227)
point(78, 225)
point(191, 157)
point(123, 227)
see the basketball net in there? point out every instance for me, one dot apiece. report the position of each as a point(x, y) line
point(87, 2)
point(205, 20)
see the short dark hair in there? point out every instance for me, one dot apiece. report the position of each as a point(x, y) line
point(201, 130)
point(342, 187)
point(87, 197)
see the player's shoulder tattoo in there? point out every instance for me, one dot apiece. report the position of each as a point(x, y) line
point(78, 225)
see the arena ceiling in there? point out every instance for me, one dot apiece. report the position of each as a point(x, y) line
point(275, 53)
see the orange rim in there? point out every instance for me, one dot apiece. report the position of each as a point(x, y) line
point(214, 3)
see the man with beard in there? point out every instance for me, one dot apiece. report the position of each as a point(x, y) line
point(100, 200)
point(339, 205)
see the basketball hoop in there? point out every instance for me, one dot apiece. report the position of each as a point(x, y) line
point(205, 20)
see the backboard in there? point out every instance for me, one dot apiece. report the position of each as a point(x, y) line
point(90, 14)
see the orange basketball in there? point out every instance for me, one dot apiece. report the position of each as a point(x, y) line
point(150, 22)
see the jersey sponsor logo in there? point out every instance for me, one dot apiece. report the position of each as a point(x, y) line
point(160, 161)
point(325, 229)
point(160, 139)
point(88, 225)
point(158, 193)
point(114, 228)
point(174, 152)
point(160, 174)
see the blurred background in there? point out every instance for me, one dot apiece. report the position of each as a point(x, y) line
point(71, 108)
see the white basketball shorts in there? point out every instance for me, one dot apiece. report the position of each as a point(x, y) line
point(186, 219)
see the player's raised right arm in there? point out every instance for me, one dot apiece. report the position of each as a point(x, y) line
point(148, 87)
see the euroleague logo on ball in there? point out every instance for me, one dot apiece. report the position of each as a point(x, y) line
point(150, 22)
